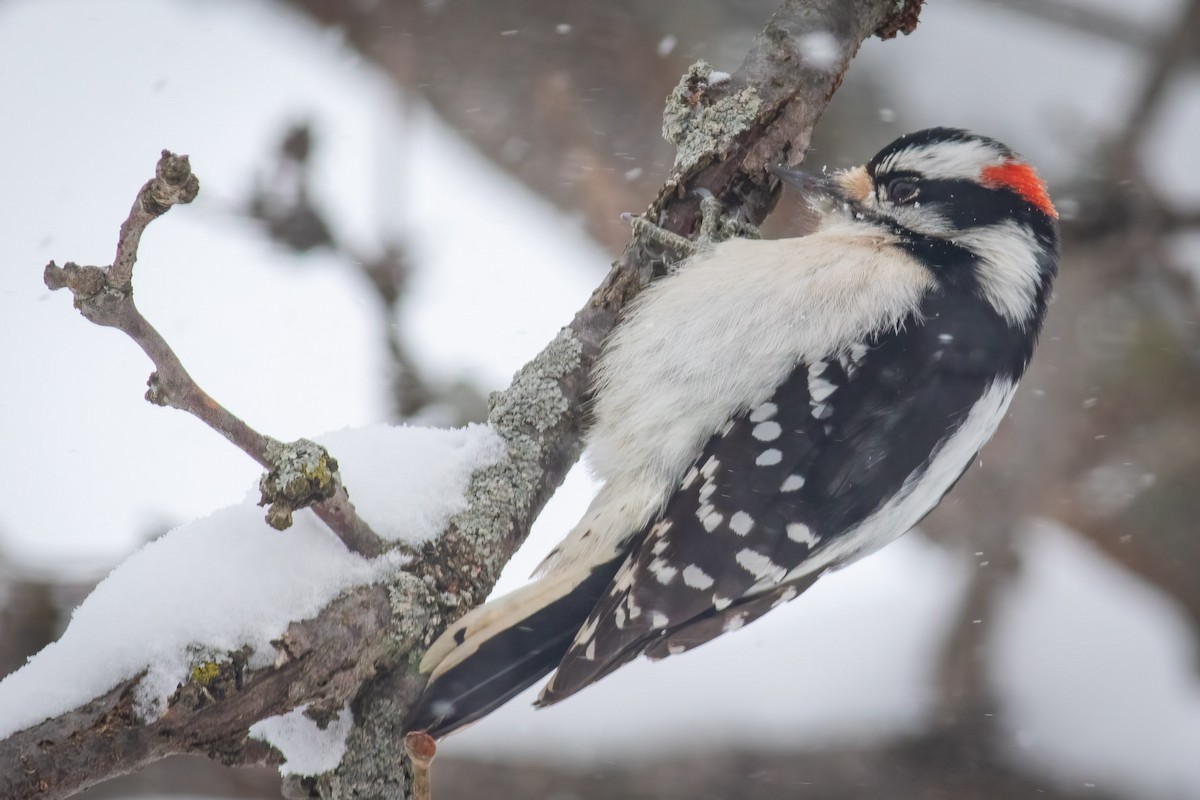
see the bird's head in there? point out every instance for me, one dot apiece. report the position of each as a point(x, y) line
point(966, 205)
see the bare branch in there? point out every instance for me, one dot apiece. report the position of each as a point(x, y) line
point(1176, 46)
point(1180, 220)
point(173, 183)
point(302, 474)
point(421, 749)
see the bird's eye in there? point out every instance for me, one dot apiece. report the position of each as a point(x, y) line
point(902, 190)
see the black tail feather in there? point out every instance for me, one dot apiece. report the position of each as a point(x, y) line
point(508, 663)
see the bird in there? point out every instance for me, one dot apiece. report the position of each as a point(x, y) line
point(775, 409)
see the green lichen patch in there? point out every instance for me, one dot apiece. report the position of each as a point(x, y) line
point(535, 400)
point(303, 473)
point(704, 117)
point(205, 673)
point(468, 561)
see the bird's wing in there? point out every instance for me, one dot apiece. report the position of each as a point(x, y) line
point(795, 486)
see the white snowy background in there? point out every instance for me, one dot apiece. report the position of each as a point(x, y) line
point(1095, 669)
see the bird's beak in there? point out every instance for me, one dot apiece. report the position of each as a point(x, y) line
point(816, 188)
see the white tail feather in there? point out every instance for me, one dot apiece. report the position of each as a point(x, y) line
point(496, 616)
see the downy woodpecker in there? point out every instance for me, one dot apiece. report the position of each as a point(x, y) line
point(776, 409)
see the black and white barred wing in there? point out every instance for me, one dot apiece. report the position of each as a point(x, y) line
point(722, 533)
point(837, 462)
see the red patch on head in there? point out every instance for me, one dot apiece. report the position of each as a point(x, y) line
point(1020, 178)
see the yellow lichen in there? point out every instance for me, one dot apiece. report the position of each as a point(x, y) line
point(205, 672)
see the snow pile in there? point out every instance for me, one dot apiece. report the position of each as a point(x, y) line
point(405, 481)
point(229, 580)
point(308, 750)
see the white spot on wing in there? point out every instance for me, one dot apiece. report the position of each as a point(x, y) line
point(710, 467)
point(792, 483)
point(819, 389)
point(711, 522)
point(635, 610)
point(767, 431)
point(689, 478)
point(696, 578)
point(659, 620)
point(590, 652)
point(763, 412)
point(769, 457)
point(624, 578)
point(720, 603)
point(663, 571)
point(759, 565)
point(816, 368)
point(588, 631)
point(741, 523)
point(799, 532)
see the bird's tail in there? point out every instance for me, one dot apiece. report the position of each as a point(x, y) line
point(501, 648)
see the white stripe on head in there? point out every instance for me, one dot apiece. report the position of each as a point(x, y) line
point(944, 160)
point(921, 220)
point(1008, 267)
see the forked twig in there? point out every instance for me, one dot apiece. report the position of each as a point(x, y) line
point(300, 474)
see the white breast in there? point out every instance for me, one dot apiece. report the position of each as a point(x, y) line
point(714, 340)
point(717, 337)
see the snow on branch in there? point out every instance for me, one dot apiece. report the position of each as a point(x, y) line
point(244, 635)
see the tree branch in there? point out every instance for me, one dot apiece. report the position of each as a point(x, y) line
point(365, 646)
point(104, 738)
point(1176, 46)
point(301, 473)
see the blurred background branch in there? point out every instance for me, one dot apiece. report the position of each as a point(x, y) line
point(282, 200)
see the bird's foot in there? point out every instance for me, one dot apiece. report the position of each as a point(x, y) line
point(715, 226)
